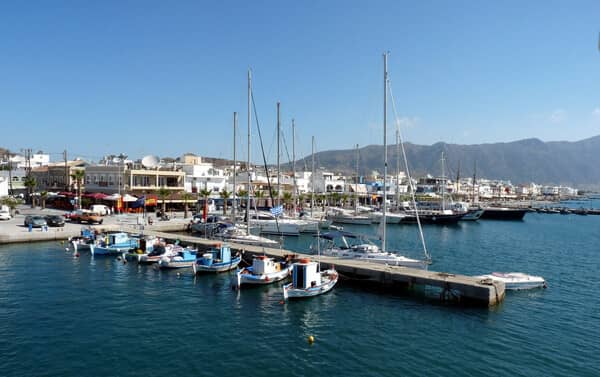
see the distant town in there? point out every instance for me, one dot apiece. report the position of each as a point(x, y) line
point(190, 178)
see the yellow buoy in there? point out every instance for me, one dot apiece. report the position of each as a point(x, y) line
point(311, 339)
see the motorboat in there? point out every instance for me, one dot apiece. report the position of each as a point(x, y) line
point(184, 258)
point(86, 238)
point(269, 224)
point(309, 281)
point(264, 270)
point(348, 245)
point(343, 216)
point(114, 244)
point(235, 234)
point(217, 259)
point(515, 280)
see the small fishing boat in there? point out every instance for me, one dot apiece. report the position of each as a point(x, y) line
point(85, 239)
point(114, 244)
point(186, 257)
point(158, 251)
point(308, 280)
point(217, 259)
point(264, 270)
point(516, 280)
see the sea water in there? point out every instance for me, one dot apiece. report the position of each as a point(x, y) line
point(62, 315)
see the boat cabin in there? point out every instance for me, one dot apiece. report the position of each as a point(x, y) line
point(220, 254)
point(264, 265)
point(305, 274)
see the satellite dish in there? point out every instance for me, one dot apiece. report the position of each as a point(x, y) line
point(150, 161)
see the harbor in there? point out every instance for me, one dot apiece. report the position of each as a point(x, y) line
point(452, 287)
point(139, 308)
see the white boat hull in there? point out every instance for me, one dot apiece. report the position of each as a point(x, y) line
point(247, 277)
point(516, 281)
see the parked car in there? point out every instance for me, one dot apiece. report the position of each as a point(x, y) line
point(5, 215)
point(36, 221)
point(83, 215)
point(55, 220)
point(91, 217)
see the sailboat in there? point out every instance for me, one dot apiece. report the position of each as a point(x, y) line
point(410, 262)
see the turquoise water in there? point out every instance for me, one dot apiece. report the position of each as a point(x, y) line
point(66, 316)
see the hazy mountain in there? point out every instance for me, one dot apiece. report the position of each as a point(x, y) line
point(530, 160)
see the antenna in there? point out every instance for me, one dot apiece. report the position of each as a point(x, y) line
point(150, 161)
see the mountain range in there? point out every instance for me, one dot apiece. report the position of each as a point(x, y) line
point(575, 164)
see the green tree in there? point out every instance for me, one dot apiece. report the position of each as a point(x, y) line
point(163, 193)
point(288, 199)
point(205, 194)
point(259, 195)
point(224, 194)
point(78, 176)
point(335, 198)
point(186, 196)
point(30, 183)
point(43, 197)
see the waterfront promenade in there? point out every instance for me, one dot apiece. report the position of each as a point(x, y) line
point(14, 230)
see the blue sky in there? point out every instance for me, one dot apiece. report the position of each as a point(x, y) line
point(164, 78)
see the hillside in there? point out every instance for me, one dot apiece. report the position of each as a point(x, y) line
point(530, 160)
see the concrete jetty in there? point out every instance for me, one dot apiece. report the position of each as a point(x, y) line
point(462, 288)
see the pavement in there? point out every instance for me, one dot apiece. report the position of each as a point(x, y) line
point(14, 230)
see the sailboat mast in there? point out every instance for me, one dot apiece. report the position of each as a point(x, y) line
point(397, 169)
point(356, 184)
point(385, 161)
point(443, 184)
point(278, 169)
point(474, 180)
point(249, 188)
point(312, 179)
point(294, 166)
point(233, 210)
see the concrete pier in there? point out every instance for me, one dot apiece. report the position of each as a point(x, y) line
point(465, 289)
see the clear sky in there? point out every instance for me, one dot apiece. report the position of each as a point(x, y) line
point(164, 77)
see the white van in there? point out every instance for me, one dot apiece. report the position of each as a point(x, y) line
point(100, 209)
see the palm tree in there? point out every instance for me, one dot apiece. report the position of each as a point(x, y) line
point(78, 176)
point(163, 193)
point(205, 194)
point(224, 194)
point(186, 196)
point(259, 195)
point(287, 198)
point(344, 199)
point(30, 183)
point(335, 197)
point(43, 196)
point(241, 195)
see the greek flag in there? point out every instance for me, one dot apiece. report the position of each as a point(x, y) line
point(277, 211)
